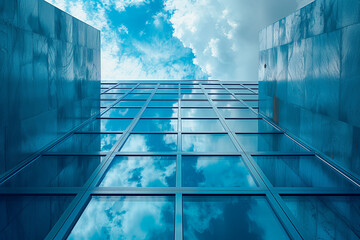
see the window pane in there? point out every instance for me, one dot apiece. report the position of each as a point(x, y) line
point(230, 217)
point(327, 217)
point(104, 125)
point(106, 103)
point(150, 143)
point(250, 126)
point(165, 96)
point(156, 125)
point(300, 171)
point(130, 104)
point(121, 113)
point(111, 96)
point(237, 113)
point(168, 91)
point(198, 113)
point(195, 104)
point(127, 217)
point(137, 96)
point(193, 96)
point(118, 91)
point(212, 86)
point(221, 96)
point(216, 91)
point(169, 86)
point(147, 86)
point(207, 143)
point(160, 113)
point(252, 103)
point(142, 91)
point(144, 171)
point(247, 97)
point(154, 103)
point(87, 143)
point(268, 142)
point(187, 90)
point(228, 104)
point(202, 125)
point(215, 171)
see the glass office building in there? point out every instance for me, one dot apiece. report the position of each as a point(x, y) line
point(178, 160)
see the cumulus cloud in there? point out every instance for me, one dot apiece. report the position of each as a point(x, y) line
point(223, 34)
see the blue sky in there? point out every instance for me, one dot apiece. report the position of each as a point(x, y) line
point(179, 39)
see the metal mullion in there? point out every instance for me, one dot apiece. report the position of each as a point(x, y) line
point(178, 197)
point(316, 191)
point(240, 100)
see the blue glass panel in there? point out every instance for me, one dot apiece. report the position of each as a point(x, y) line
point(55, 171)
point(147, 86)
point(30, 217)
point(121, 113)
point(247, 97)
point(137, 96)
point(111, 96)
point(221, 96)
point(187, 90)
point(252, 103)
point(202, 125)
point(160, 113)
point(130, 104)
point(118, 91)
point(237, 113)
point(300, 171)
point(84, 143)
point(165, 96)
point(215, 171)
point(150, 143)
point(216, 91)
point(104, 125)
point(207, 143)
point(212, 86)
point(159, 103)
point(230, 217)
point(127, 217)
point(142, 91)
point(106, 103)
point(327, 217)
point(268, 142)
point(144, 171)
point(193, 96)
point(228, 104)
point(195, 104)
point(156, 125)
point(190, 86)
point(241, 91)
point(250, 125)
point(171, 90)
point(198, 113)
point(125, 85)
point(169, 86)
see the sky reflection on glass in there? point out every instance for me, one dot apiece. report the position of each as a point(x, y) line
point(130, 104)
point(207, 143)
point(230, 217)
point(215, 171)
point(105, 125)
point(250, 126)
point(159, 103)
point(228, 104)
point(237, 113)
point(160, 113)
point(156, 125)
point(130, 217)
point(141, 171)
point(121, 113)
point(198, 113)
point(150, 143)
point(201, 125)
point(195, 104)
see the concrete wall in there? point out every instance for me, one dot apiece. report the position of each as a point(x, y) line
point(311, 82)
point(49, 76)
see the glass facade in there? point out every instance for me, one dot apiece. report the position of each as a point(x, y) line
point(178, 160)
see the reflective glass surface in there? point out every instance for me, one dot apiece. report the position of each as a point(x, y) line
point(86, 142)
point(215, 171)
point(169, 90)
point(252, 103)
point(118, 91)
point(193, 96)
point(55, 171)
point(300, 171)
point(142, 90)
point(130, 104)
point(198, 113)
point(250, 126)
point(150, 143)
point(246, 97)
point(159, 103)
point(165, 96)
point(268, 142)
point(195, 104)
point(201, 125)
point(237, 113)
point(111, 96)
point(104, 125)
point(141, 171)
point(221, 96)
point(326, 217)
point(228, 104)
point(156, 125)
point(137, 96)
point(121, 113)
point(189, 90)
point(106, 103)
point(30, 217)
point(216, 91)
point(207, 143)
point(230, 217)
point(127, 217)
point(160, 113)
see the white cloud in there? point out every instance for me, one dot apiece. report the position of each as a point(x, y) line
point(223, 34)
point(120, 5)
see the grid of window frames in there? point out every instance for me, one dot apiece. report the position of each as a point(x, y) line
point(179, 160)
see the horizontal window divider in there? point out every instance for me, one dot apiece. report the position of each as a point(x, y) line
point(272, 153)
point(259, 132)
point(308, 191)
point(99, 132)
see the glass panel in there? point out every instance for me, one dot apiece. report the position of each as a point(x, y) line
point(198, 113)
point(230, 217)
point(221, 96)
point(106, 103)
point(130, 104)
point(193, 96)
point(56, 171)
point(104, 125)
point(118, 91)
point(247, 97)
point(142, 91)
point(30, 217)
point(250, 126)
point(130, 85)
point(215, 171)
point(165, 96)
point(127, 217)
point(216, 91)
point(150, 143)
point(268, 142)
point(111, 96)
point(159, 103)
point(169, 86)
point(195, 104)
point(187, 90)
point(237, 113)
point(202, 125)
point(207, 143)
point(85, 143)
point(160, 113)
point(171, 90)
point(327, 217)
point(212, 86)
point(241, 91)
point(156, 125)
point(252, 103)
point(137, 96)
point(190, 86)
point(147, 86)
point(300, 171)
point(228, 104)
point(121, 113)
point(144, 171)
